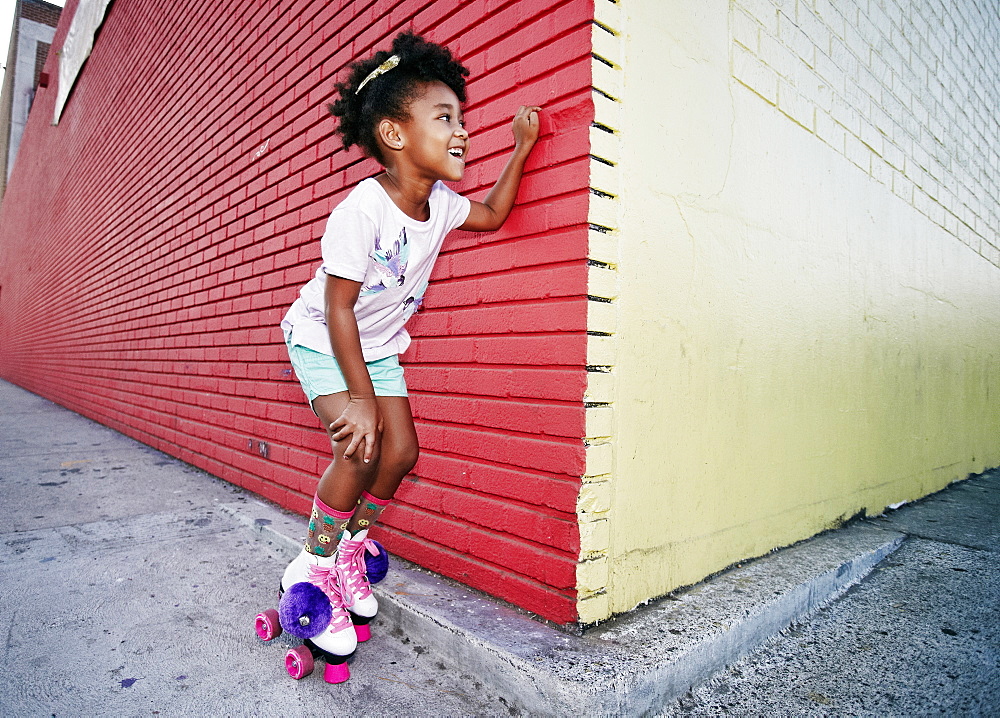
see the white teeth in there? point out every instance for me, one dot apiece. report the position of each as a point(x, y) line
point(455, 151)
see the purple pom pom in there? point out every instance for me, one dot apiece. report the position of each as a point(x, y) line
point(304, 610)
point(376, 566)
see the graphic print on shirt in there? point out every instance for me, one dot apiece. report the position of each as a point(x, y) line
point(413, 302)
point(389, 265)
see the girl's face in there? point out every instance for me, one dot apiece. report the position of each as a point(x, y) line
point(434, 137)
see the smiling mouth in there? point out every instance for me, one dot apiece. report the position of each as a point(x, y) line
point(456, 152)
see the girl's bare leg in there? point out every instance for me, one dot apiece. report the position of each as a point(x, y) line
point(344, 479)
point(398, 447)
point(398, 455)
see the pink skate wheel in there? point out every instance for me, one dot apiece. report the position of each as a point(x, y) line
point(267, 625)
point(336, 673)
point(364, 632)
point(299, 662)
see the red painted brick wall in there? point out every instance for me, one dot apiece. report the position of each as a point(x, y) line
point(150, 243)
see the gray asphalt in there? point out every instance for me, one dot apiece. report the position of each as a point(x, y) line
point(125, 591)
point(129, 581)
point(919, 636)
point(875, 653)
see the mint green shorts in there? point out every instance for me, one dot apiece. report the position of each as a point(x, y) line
point(320, 374)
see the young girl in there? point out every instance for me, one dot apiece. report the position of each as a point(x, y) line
point(345, 331)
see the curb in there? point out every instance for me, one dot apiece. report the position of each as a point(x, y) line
point(633, 664)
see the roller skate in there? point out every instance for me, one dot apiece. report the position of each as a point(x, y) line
point(311, 607)
point(352, 566)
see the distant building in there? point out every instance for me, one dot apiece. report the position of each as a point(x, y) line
point(34, 26)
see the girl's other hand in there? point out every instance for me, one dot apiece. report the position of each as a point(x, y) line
point(360, 420)
point(526, 126)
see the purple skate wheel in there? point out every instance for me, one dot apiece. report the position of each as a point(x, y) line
point(299, 662)
point(336, 672)
point(267, 625)
point(376, 565)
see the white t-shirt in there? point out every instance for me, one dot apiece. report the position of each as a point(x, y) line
point(368, 239)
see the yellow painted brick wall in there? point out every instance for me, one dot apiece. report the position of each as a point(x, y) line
point(907, 91)
point(794, 281)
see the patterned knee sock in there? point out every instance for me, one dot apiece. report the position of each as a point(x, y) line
point(368, 511)
point(325, 527)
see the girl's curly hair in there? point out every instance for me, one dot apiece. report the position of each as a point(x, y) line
point(389, 94)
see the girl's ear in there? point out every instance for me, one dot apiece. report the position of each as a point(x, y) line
point(389, 134)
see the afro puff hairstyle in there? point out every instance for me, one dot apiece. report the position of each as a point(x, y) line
point(389, 95)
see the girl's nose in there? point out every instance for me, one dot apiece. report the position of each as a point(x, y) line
point(462, 133)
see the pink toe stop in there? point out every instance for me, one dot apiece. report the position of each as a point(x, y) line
point(336, 673)
point(364, 632)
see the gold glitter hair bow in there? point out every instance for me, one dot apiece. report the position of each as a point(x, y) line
point(380, 70)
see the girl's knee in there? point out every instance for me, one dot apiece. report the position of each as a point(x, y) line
point(355, 464)
point(411, 457)
point(401, 459)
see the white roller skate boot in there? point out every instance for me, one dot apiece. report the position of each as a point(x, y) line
point(339, 639)
point(357, 592)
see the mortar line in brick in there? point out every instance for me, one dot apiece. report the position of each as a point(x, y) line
point(568, 441)
point(575, 334)
point(577, 262)
point(125, 156)
point(380, 42)
point(567, 517)
point(520, 401)
point(530, 473)
point(549, 436)
point(431, 451)
point(481, 305)
point(545, 14)
point(458, 558)
point(537, 545)
point(513, 239)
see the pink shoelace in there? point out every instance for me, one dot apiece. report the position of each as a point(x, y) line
point(329, 581)
point(351, 566)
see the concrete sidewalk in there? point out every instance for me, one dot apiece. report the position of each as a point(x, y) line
point(129, 582)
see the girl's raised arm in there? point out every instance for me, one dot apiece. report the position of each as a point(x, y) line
point(491, 213)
